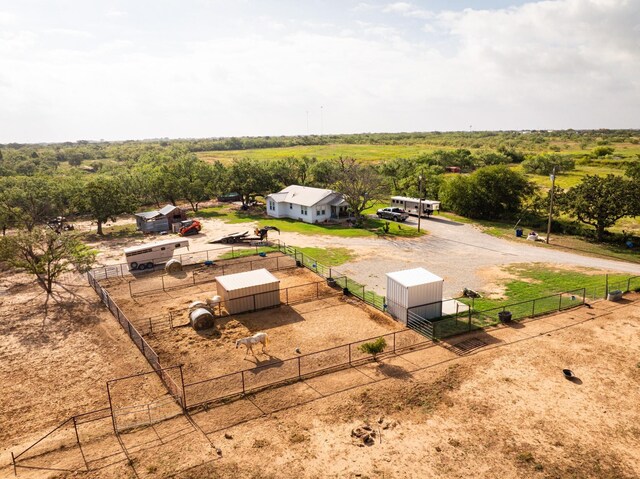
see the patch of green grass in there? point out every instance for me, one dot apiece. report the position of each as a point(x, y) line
point(328, 256)
point(295, 226)
point(241, 253)
point(373, 209)
point(541, 280)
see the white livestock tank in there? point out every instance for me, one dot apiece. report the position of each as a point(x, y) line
point(414, 287)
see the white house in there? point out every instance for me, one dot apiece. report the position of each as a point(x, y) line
point(311, 205)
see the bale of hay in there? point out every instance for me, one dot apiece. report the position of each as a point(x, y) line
point(197, 305)
point(173, 266)
point(201, 318)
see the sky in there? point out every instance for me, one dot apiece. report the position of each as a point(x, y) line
point(139, 69)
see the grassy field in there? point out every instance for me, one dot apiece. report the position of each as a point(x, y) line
point(324, 152)
point(570, 178)
point(328, 256)
point(570, 243)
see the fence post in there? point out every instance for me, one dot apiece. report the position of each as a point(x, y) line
point(254, 302)
point(299, 375)
point(560, 302)
point(184, 394)
point(162, 278)
point(349, 345)
point(243, 388)
point(584, 295)
point(533, 308)
point(394, 341)
point(232, 253)
point(13, 461)
point(287, 295)
point(113, 417)
point(130, 292)
point(317, 289)
point(193, 275)
point(151, 326)
point(606, 287)
point(469, 319)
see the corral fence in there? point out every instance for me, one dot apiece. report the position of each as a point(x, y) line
point(470, 319)
point(130, 409)
point(315, 290)
point(333, 276)
point(247, 381)
point(67, 431)
point(146, 350)
point(206, 274)
point(121, 270)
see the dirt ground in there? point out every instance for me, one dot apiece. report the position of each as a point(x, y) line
point(494, 404)
point(309, 326)
point(55, 359)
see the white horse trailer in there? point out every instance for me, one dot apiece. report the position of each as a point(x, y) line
point(412, 205)
point(148, 255)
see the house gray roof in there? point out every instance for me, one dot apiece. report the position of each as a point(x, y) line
point(149, 215)
point(301, 195)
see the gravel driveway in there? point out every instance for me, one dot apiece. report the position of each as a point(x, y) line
point(454, 251)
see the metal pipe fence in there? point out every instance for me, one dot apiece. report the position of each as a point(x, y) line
point(444, 326)
point(147, 351)
point(244, 304)
point(206, 274)
point(122, 269)
point(219, 388)
point(348, 285)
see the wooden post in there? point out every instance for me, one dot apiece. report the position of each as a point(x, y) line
point(243, 387)
point(606, 288)
point(299, 375)
point(349, 346)
point(162, 278)
point(13, 461)
point(533, 308)
point(130, 292)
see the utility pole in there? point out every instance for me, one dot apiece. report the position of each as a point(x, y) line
point(553, 184)
point(419, 201)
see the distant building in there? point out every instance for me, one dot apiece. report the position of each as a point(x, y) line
point(160, 220)
point(311, 205)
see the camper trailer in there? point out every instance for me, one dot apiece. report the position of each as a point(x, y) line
point(411, 205)
point(148, 255)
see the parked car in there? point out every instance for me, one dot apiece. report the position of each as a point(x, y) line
point(392, 213)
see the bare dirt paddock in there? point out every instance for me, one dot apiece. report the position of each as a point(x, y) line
point(307, 323)
point(490, 405)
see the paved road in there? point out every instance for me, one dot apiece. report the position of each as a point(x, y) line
point(452, 250)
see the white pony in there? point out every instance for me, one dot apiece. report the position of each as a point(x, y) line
point(251, 341)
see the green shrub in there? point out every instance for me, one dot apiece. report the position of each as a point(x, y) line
point(374, 347)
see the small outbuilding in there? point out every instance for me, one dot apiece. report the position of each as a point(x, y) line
point(249, 291)
point(163, 219)
point(414, 287)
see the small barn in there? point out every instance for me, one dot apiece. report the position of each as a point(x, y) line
point(160, 220)
point(249, 291)
point(414, 287)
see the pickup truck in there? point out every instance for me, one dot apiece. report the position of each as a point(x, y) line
point(392, 213)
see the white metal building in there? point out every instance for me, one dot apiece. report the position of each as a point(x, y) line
point(249, 291)
point(311, 205)
point(414, 287)
point(412, 205)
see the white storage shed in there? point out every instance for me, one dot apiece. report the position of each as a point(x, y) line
point(414, 287)
point(249, 291)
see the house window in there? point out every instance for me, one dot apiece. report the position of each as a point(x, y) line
point(290, 206)
point(272, 205)
point(320, 212)
point(303, 210)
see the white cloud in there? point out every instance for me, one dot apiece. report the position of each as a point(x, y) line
point(561, 64)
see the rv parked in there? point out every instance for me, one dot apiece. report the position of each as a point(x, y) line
point(411, 205)
point(148, 255)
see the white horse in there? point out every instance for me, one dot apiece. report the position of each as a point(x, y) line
point(251, 341)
